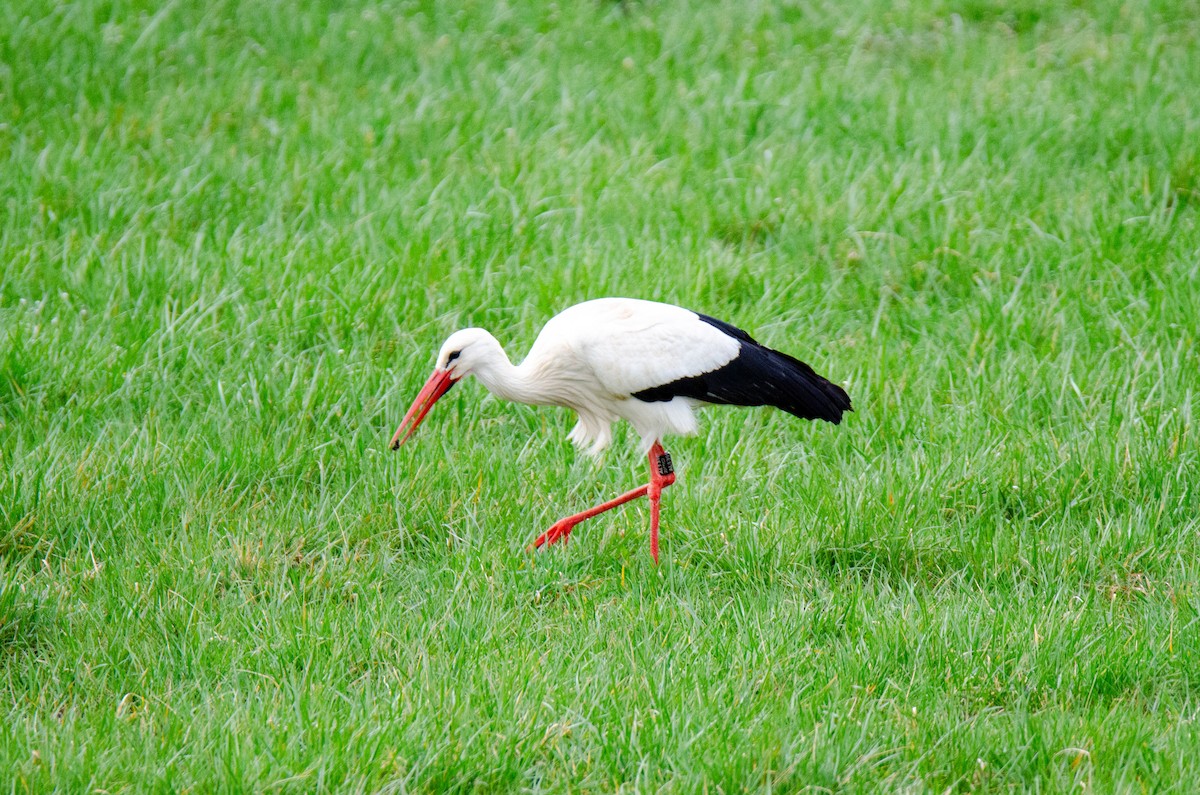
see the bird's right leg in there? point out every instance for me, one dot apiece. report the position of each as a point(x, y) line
point(662, 474)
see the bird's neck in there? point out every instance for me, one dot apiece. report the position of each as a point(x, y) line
point(508, 381)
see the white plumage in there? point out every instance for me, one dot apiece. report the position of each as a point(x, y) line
point(593, 357)
point(650, 364)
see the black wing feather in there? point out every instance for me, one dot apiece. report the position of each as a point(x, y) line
point(759, 376)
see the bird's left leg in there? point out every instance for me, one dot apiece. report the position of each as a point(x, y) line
point(561, 529)
point(662, 474)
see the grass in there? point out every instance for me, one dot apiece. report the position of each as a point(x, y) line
point(233, 237)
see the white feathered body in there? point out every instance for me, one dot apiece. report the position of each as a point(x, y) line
point(645, 362)
point(592, 357)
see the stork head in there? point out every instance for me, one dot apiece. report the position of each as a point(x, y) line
point(461, 353)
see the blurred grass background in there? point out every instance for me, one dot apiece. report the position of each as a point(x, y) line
point(234, 234)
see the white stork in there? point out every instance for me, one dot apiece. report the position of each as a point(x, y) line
point(648, 363)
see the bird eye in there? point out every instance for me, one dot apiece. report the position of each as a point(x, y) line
point(452, 357)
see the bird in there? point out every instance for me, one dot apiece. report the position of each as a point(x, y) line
point(648, 363)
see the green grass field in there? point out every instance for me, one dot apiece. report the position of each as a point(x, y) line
point(233, 235)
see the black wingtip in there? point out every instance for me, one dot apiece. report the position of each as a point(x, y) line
point(808, 395)
point(841, 406)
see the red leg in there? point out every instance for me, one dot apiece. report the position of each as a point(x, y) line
point(661, 476)
point(563, 527)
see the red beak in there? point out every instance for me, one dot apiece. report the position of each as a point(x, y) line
point(438, 384)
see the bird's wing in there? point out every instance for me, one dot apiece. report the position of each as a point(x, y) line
point(631, 345)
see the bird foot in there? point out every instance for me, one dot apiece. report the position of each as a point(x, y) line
point(559, 531)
